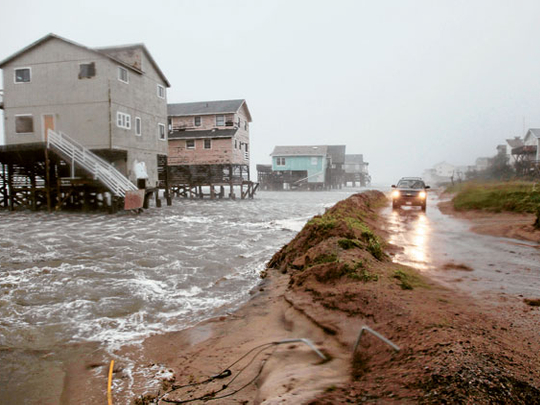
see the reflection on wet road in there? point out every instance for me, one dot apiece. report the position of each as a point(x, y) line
point(445, 247)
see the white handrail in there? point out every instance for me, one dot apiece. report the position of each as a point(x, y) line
point(98, 167)
point(308, 177)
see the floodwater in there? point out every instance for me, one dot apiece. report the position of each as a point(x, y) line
point(491, 265)
point(74, 285)
point(68, 279)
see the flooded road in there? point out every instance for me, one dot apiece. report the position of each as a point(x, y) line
point(444, 247)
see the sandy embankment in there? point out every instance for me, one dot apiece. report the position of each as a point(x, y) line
point(328, 282)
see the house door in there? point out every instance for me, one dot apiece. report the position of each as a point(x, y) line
point(48, 123)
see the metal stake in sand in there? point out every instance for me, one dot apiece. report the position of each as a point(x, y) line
point(376, 334)
point(307, 342)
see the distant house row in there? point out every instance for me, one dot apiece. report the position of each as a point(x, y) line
point(113, 103)
point(312, 167)
point(521, 154)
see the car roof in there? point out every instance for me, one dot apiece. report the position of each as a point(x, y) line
point(411, 178)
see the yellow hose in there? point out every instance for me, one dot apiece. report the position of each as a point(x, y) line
point(109, 394)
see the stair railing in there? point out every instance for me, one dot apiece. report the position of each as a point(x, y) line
point(100, 169)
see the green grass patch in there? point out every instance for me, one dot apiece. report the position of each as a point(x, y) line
point(347, 244)
point(357, 271)
point(408, 280)
point(326, 222)
point(363, 275)
point(324, 258)
point(497, 196)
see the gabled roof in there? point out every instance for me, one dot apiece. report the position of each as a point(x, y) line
point(305, 150)
point(337, 153)
point(206, 134)
point(444, 163)
point(515, 143)
point(99, 51)
point(534, 132)
point(354, 159)
point(207, 108)
point(111, 49)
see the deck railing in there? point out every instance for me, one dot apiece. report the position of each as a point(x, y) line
point(79, 155)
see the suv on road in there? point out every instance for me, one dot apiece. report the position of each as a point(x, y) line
point(409, 191)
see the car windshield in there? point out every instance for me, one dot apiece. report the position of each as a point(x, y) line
point(411, 184)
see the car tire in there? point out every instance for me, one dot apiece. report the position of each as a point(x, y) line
point(395, 206)
point(424, 207)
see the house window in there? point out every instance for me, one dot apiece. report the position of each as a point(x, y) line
point(160, 91)
point(123, 75)
point(23, 75)
point(239, 122)
point(235, 144)
point(207, 144)
point(123, 120)
point(245, 125)
point(197, 121)
point(87, 70)
point(161, 132)
point(314, 161)
point(246, 147)
point(280, 161)
point(220, 120)
point(24, 124)
point(190, 144)
point(138, 126)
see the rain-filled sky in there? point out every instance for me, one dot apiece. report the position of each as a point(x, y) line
point(406, 83)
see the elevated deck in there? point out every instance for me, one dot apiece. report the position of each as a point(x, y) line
point(35, 177)
point(199, 181)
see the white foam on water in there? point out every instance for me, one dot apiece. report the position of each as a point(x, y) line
point(117, 279)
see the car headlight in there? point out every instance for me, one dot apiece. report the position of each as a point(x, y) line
point(395, 194)
point(422, 194)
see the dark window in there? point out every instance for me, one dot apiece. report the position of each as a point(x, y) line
point(245, 125)
point(197, 121)
point(138, 126)
point(160, 91)
point(24, 124)
point(161, 131)
point(235, 144)
point(122, 74)
point(22, 75)
point(87, 70)
point(246, 147)
point(207, 144)
point(190, 144)
point(280, 161)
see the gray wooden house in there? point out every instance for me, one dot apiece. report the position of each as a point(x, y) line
point(356, 170)
point(109, 101)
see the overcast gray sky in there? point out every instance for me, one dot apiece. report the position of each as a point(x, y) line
point(406, 83)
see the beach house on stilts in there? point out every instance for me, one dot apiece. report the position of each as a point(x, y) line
point(209, 149)
point(83, 126)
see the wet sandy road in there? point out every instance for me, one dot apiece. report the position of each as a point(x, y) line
point(444, 247)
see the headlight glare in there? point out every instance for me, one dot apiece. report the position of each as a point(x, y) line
point(395, 194)
point(422, 194)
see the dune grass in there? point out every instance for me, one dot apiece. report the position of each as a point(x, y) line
point(514, 196)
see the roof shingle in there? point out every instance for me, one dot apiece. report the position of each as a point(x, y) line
point(206, 108)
